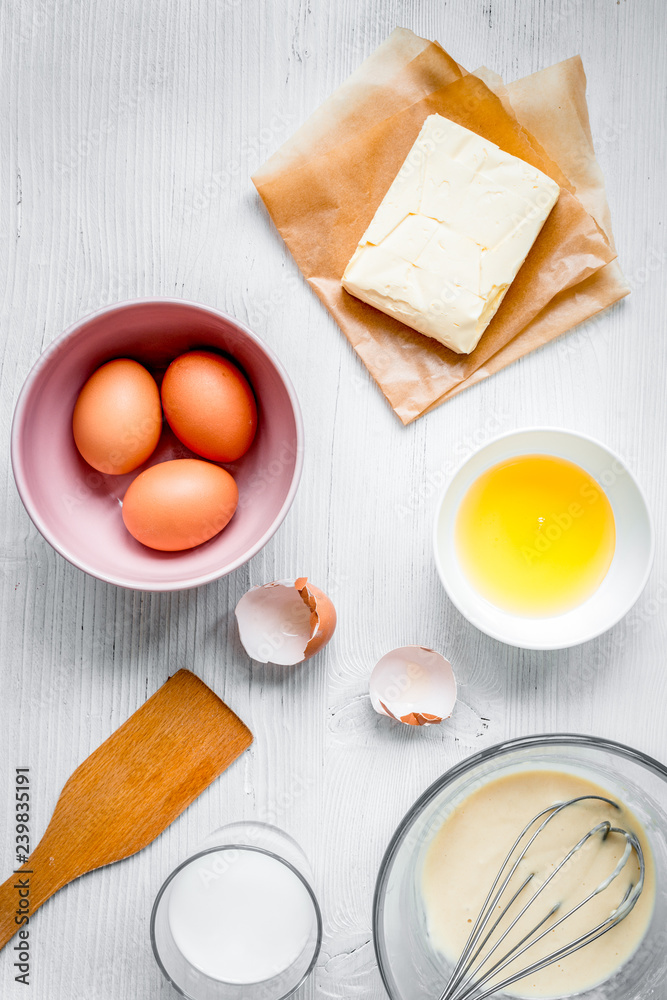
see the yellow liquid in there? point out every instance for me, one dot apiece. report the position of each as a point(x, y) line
point(535, 535)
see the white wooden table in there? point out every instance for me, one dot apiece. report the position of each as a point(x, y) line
point(115, 114)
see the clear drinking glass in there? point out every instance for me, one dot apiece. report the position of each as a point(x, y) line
point(238, 851)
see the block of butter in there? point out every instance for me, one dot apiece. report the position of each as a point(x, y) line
point(450, 234)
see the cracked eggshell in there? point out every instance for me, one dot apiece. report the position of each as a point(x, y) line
point(285, 622)
point(414, 685)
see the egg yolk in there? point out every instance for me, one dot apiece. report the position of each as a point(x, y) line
point(535, 535)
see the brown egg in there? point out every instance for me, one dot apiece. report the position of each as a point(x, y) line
point(117, 417)
point(209, 405)
point(179, 504)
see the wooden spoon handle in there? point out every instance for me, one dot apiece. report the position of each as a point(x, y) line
point(25, 891)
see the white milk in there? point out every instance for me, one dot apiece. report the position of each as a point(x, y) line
point(240, 916)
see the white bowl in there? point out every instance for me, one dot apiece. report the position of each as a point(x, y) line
point(630, 565)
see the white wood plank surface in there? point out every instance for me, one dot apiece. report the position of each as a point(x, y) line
point(120, 122)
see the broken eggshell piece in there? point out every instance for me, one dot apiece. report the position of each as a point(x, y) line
point(414, 685)
point(285, 622)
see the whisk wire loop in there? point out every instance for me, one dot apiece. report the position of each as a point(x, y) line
point(631, 896)
point(463, 965)
point(470, 979)
point(492, 900)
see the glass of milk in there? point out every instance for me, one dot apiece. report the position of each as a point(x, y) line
point(238, 920)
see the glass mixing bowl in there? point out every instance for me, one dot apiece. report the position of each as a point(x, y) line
point(410, 966)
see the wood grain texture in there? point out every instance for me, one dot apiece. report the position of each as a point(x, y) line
point(130, 789)
point(130, 133)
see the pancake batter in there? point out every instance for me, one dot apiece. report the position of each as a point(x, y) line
point(470, 847)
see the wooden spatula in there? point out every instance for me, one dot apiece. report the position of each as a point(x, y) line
point(130, 789)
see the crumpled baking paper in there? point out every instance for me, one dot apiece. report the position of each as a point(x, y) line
point(323, 185)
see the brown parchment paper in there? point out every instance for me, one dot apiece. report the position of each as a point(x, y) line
point(323, 186)
point(552, 103)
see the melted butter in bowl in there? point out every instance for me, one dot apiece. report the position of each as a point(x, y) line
point(471, 845)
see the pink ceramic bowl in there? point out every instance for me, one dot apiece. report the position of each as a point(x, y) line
point(78, 510)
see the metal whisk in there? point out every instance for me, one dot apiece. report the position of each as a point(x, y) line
point(472, 977)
